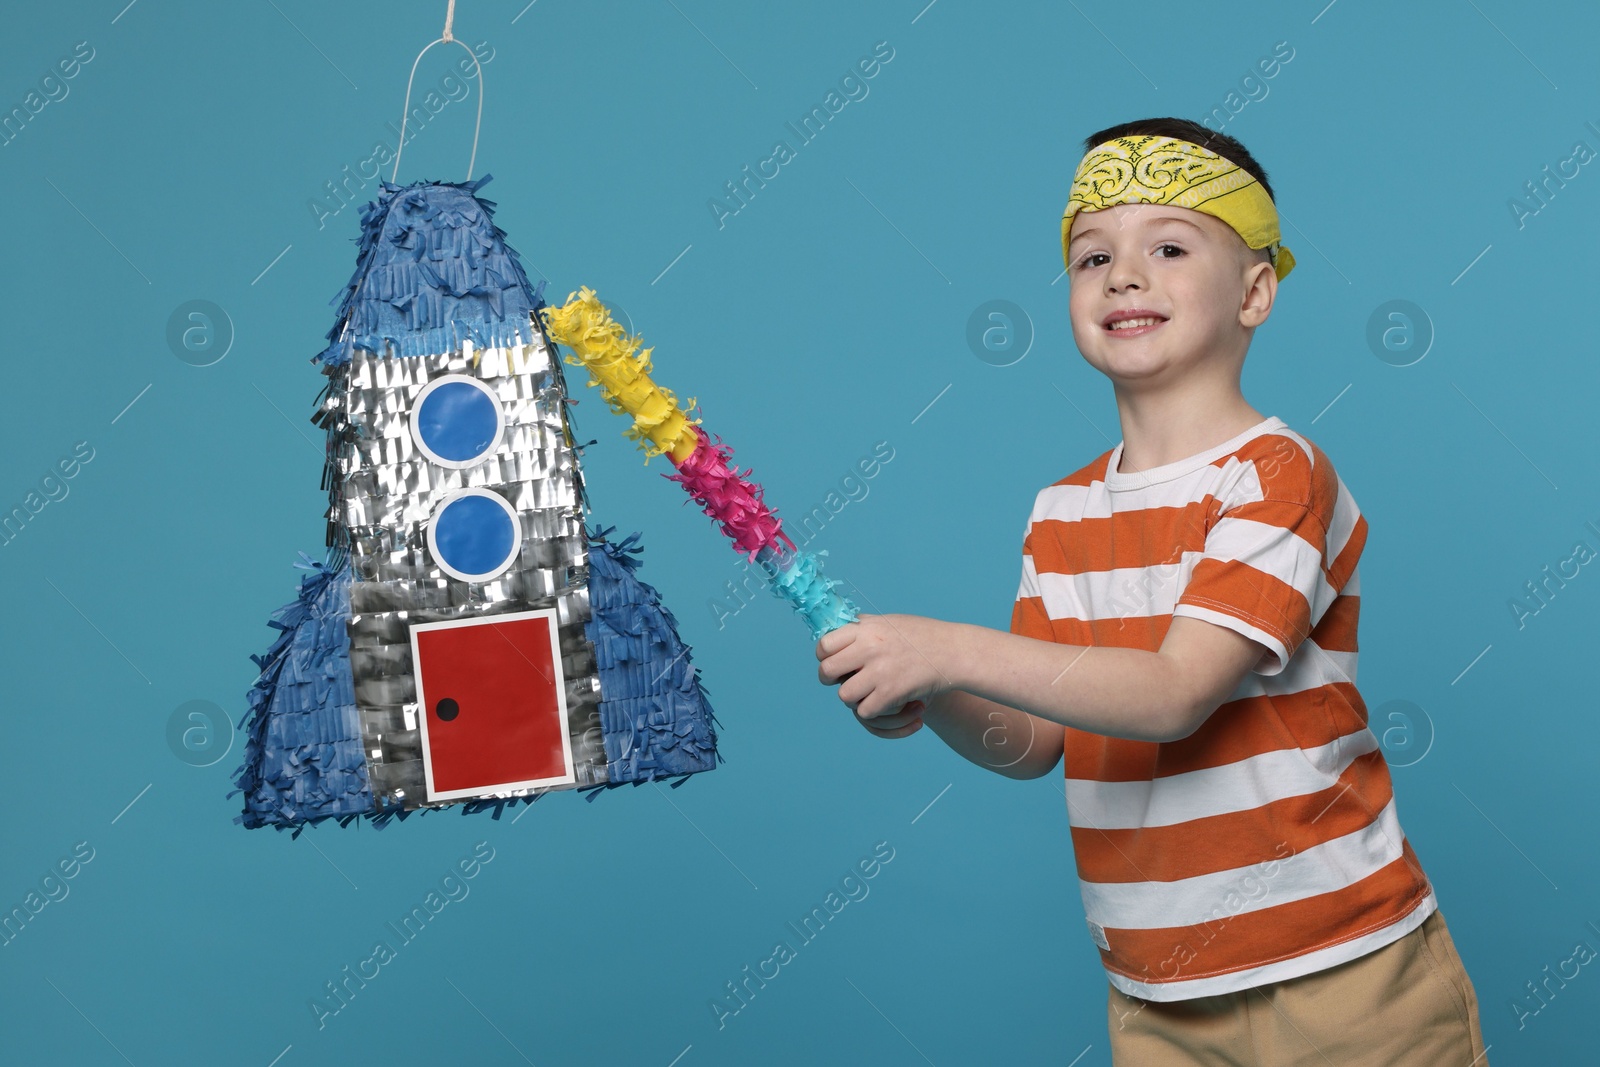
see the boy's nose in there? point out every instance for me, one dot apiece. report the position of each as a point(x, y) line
point(1122, 275)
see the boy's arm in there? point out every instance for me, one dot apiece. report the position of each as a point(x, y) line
point(995, 737)
point(1120, 692)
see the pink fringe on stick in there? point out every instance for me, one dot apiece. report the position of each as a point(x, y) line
point(728, 497)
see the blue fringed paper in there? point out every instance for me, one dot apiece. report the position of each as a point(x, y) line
point(656, 719)
point(432, 271)
point(302, 758)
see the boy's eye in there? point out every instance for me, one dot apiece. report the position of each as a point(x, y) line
point(1086, 261)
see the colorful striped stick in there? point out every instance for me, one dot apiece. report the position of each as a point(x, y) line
point(622, 372)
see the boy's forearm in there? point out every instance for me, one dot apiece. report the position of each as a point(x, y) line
point(1118, 692)
point(995, 737)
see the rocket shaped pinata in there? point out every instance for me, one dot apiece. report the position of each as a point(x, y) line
point(468, 639)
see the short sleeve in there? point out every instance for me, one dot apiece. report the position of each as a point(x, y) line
point(1264, 574)
point(1029, 585)
point(1028, 616)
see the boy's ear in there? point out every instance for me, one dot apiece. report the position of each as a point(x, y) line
point(1260, 290)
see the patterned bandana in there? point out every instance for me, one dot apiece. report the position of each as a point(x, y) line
point(1166, 170)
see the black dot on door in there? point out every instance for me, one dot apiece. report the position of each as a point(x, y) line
point(446, 709)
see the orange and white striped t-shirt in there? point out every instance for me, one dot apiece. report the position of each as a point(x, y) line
point(1265, 845)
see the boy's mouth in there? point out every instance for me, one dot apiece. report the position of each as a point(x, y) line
point(1132, 321)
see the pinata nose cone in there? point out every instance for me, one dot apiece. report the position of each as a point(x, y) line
point(432, 271)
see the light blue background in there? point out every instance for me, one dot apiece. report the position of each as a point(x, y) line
point(821, 319)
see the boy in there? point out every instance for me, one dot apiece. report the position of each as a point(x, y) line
point(1185, 634)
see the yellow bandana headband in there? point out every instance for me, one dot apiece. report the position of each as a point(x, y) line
point(1165, 170)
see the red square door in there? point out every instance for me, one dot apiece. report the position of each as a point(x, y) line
point(493, 704)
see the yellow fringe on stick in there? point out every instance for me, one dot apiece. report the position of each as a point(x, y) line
point(622, 372)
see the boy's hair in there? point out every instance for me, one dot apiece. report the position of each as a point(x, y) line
point(1184, 130)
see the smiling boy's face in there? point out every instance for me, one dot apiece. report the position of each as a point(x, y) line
point(1188, 270)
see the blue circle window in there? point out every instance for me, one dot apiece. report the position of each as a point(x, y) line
point(456, 421)
point(475, 535)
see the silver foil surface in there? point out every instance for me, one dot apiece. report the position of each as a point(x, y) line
point(386, 490)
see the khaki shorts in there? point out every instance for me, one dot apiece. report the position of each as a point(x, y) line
point(1408, 1003)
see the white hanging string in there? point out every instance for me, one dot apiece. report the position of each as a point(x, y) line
point(405, 111)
